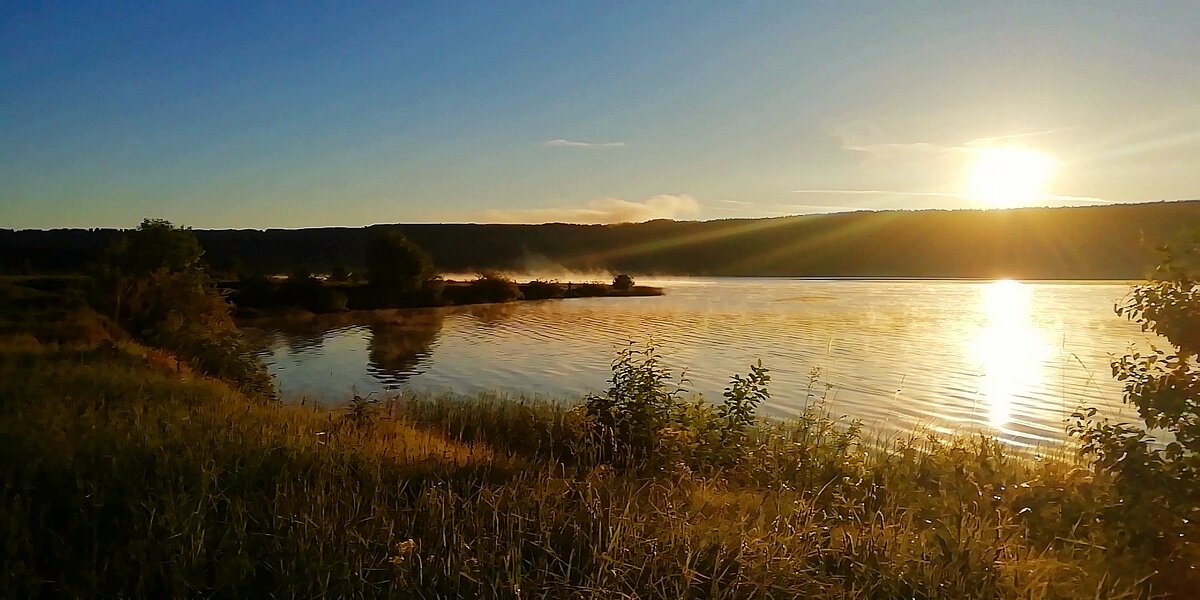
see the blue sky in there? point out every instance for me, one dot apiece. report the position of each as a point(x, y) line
point(297, 114)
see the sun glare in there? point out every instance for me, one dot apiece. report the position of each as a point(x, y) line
point(1009, 176)
point(1009, 350)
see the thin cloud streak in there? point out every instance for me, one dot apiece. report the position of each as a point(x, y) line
point(892, 150)
point(988, 141)
point(603, 211)
point(564, 143)
point(1045, 197)
point(878, 193)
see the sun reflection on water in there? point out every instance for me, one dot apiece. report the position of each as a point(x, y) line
point(1010, 350)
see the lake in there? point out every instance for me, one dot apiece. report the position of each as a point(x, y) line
point(1008, 358)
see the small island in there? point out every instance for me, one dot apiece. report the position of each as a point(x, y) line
point(400, 274)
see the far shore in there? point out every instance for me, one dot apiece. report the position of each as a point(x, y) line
point(458, 291)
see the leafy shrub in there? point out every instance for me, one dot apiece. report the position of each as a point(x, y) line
point(587, 290)
point(493, 287)
point(542, 290)
point(153, 283)
point(1156, 465)
point(432, 290)
point(622, 282)
point(643, 415)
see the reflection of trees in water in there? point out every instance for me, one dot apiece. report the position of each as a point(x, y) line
point(299, 338)
point(491, 315)
point(397, 349)
point(301, 341)
point(262, 341)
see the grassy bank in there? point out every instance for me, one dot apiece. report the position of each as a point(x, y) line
point(122, 475)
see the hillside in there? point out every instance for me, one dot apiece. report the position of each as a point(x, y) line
point(1115, 241)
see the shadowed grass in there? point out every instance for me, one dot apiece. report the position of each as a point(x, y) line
point(121, 476)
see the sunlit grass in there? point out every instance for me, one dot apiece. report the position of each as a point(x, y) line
point(120, 478)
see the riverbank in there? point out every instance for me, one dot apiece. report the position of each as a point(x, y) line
point(124, 474)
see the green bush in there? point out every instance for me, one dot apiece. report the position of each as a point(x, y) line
point(1155, 465)
point(152, 282)
point(643, 416)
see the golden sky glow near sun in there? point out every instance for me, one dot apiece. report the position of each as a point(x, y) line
point(1005, 176)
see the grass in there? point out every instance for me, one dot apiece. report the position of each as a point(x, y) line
point(121, 477)
point(125, 474)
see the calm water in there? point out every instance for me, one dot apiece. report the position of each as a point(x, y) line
point(1006, 357)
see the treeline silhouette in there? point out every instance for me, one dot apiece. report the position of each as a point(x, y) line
point(1114, 241)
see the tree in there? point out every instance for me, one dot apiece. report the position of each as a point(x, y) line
point(622, 282)
point(1156, 465)
point(142, 267)
point(153, 283)
point(395, 266)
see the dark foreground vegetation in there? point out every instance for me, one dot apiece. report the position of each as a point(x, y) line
point(1101, 242)
point(130, 469)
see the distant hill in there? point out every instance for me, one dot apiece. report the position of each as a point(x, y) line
point(1100, 242)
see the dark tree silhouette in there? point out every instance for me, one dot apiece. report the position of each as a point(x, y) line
point(396, 267)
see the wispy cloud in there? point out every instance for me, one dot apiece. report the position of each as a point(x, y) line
point(991, 141)
point(1048, 199)
point(879, 193)
point(603, 210)
point(563, 143)
point(856, 142)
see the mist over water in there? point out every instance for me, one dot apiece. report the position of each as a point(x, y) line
point(1011, 359)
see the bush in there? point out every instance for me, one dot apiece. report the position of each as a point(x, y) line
point(542, 290)
point(643, 416)
point(622, 282)
point(493, 287)
point(153, 283)
point(432, 290)
point(1156, 465)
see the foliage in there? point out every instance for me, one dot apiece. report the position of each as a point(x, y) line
point(118, 479)
point(396, 266)
point(52, 310)
point(152, 282)
point(431, 291)
point(1156, 465)
point(493, 287)
point(542, 290)
point(643, 415)
point(622, 282)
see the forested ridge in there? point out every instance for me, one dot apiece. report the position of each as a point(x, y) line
point(1113, 241)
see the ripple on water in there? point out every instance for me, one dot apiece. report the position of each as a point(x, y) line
point(1004, 358)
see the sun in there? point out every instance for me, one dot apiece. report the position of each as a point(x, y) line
point(1004, 176)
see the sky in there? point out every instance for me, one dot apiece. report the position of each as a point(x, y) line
point(296, 114)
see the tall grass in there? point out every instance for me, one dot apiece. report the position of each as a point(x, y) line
point(121, 477)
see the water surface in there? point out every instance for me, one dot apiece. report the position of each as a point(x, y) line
point(1009, 358)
